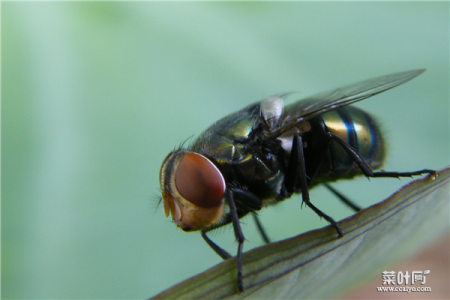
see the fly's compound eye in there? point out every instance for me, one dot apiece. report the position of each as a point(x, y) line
point(199, 181)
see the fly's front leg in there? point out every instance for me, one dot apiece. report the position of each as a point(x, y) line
point(247, 201)
point(296, 173)
point(239, 238)
point(252, 202)
point(222, 253)
point(367, 170)
point(261, 230)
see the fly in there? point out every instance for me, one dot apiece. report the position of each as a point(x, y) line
point(267, 151)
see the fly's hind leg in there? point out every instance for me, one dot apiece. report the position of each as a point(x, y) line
point(367, 170)
point(296, 173)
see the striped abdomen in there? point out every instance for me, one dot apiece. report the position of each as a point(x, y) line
point(360, 131)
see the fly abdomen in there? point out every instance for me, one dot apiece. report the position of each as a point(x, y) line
point(358, 130)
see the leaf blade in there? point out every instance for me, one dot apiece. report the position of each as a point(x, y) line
point(316, 264)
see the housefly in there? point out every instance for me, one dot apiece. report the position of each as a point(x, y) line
point(266, 152)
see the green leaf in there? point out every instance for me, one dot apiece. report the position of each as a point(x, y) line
point(317, 264)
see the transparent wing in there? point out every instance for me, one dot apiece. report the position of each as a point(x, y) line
point(321, 103)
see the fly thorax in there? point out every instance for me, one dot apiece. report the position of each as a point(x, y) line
point(287, 137)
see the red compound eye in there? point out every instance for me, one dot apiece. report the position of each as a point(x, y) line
point(199, 181)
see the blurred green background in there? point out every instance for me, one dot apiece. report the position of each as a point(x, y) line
point(95, 95)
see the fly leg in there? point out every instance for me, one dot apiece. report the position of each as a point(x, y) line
point(367, 170)
point(232, 217)
point(344, 199)
point(239, 238)
point(261, 230)
point(247, 201)
point(222, 253)
point(296, 171)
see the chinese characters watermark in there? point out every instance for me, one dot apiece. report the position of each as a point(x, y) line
point(399, 281)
